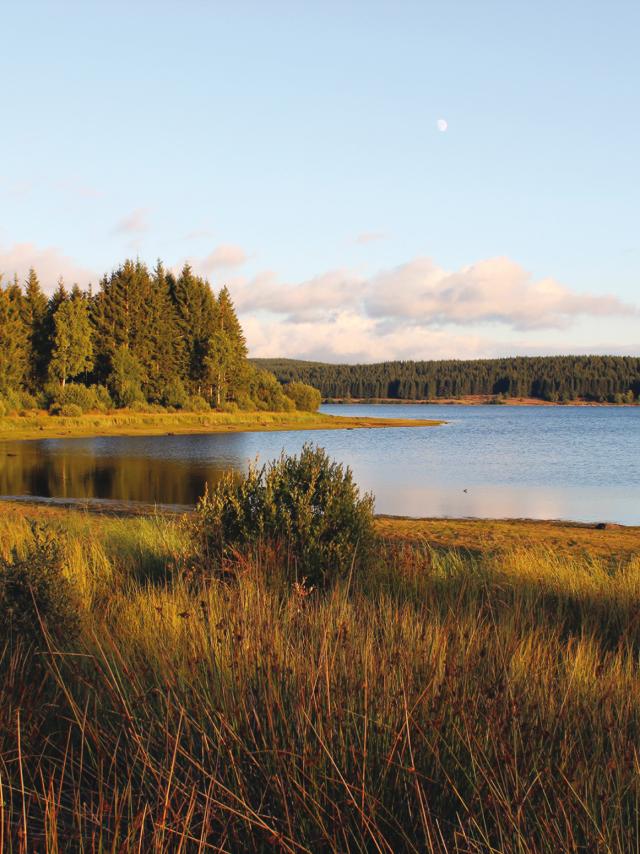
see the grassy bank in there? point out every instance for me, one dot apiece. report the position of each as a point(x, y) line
point(41, 425)
point(448, 701)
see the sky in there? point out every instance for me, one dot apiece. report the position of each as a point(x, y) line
point(372, 180)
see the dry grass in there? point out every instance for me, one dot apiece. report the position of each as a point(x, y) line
point(483, 536)
point(448, 701)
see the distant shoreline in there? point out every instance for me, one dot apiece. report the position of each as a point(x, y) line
point(472, 400)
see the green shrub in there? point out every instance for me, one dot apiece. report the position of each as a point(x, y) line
point(267, 394)
point(174, 394)
point(308, 507)
point(196, 403)
point(34, 593)
point(126, 377)
point(70, 410)
point(306, 397)
point(86, 397)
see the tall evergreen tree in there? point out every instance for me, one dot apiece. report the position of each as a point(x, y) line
point(226, 359)
point(14, 340)
point(34, 316)
point(196, 309)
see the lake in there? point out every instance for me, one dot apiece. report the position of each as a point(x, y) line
point(565, 462)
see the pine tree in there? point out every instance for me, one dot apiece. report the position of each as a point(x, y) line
point(34, 316)
point(14, 340)
point(72, 345)
point(196, 310)
point(226, 359)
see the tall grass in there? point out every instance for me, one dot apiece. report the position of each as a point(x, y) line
point(443, 702)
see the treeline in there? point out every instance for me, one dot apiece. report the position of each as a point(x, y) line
point(143, 338)
point(614, 379)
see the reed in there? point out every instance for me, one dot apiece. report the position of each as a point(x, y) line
point(445, 701)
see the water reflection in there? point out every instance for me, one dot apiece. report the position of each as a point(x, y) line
point(563, 462)
point(28, 470)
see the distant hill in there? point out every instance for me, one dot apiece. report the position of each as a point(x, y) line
point(614, 379)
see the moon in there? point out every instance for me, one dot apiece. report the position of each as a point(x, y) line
point(442, 125)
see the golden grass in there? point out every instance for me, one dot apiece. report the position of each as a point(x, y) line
point(489, 535)
point(41, 425)
point(449, 701)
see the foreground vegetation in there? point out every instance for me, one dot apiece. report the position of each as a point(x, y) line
point(555, 379)
point(443, 700)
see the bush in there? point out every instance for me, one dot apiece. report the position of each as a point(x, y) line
point(196, 403)
point(174, 394)
point(308, 507)
point(126, 377)
point(306, 397)
point(267, 393)
point(34, 593)
point(70, 410)
point(145, 406)
point(76, 394)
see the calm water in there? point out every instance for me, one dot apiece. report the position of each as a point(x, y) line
point(578, 463)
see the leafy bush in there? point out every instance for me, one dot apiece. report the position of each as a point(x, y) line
point(126, 378)
point(196, 403)
point(86, 397)
point(306, 397)
point(174, 394)
point(267, 393)
point(308, 507)
point(34, 593)
point(71, 410)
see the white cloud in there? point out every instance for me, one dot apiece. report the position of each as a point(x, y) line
point(422, 294)
point(411, 311)
point(134, 223)
point(223, 257)
point(48, 262)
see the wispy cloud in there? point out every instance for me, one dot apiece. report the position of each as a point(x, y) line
point(136, 222)
point(370, 237)
point(49, 263)
point(223, 257)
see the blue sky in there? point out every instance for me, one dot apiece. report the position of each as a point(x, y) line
point(292, 151)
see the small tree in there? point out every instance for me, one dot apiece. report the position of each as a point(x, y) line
point(72, 344)
point(126, 378)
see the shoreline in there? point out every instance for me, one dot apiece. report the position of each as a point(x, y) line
point(469, 400)
point(127, 423)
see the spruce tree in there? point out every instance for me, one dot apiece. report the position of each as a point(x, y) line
point(34, 316)
point(196, 310)
point(14, 340)
point(226, 358)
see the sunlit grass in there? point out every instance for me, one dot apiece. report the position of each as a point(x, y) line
point(448, 701)
point(40, 425)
